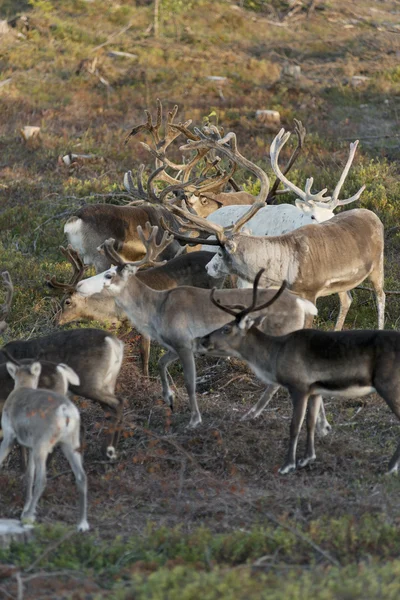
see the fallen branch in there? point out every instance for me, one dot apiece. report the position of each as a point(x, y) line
point(368, 289)
point(112, 36)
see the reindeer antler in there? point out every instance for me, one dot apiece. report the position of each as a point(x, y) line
point(228, 145)
point(252, 308)
point(300, 132)
point(78, 273)
point(318, 199)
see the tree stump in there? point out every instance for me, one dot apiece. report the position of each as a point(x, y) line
point(12, 530)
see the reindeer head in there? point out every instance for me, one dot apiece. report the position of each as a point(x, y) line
point(227, 339)
point(26, 376)
point(115, 279)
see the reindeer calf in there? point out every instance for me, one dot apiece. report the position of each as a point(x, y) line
point(39, 420)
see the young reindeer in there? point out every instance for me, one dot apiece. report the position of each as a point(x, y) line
point(187, 269)
point(39, 420)
point(310, 363)
point(174, 318)
point(53, 376)
point(334, 257)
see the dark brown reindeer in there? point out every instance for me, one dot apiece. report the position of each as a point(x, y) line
point(309, 364)
point(94, 223)
point(187, 269)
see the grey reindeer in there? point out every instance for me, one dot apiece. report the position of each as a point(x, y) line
point(39, 420)
point(175, 317)
point(309, 364)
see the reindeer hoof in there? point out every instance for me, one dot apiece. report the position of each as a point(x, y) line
point(289, 468)
point(27, 519)
point(111, 453)
point(323, 429)
point(83, 526)
point(392, 470)
point(307, 460)
point(194, 422)
point(169, 400)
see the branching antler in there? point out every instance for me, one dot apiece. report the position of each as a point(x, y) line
point(252, 308)
point(78, 273)
point(300, 132)
point(318, 199)
point(153, 250)
point(5, 308)
point(149, 240)
point(228, 145)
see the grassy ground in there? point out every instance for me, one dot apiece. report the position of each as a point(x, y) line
point(204, 513)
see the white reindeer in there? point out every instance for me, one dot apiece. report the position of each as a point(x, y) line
point(271, 220)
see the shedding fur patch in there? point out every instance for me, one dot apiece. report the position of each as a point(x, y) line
point(309, 307)
point(69, 376)
point(115, 359)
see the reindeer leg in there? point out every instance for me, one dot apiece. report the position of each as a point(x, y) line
point(168, 395)
point(266, 397)
point(314, 403)
point(30, 476)
point(299, 400)
point(39, 458)
point(323, 426)
point(145, 354)
point(107, 400)
point(72, 454)
point(189, 372)
point(391, 394)
point(376, 278)
point(345, 299)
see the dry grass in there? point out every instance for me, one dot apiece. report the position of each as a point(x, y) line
point(224, 475)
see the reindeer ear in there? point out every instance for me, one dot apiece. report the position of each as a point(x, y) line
point(246, 323)
point(303, 206)
point(36, 369)
point(12, 369)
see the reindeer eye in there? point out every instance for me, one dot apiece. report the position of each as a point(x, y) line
point(226, 329)
point(108, 276)
point(313, 218)
point(67, 302)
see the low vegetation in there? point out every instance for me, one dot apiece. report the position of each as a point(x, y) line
point(203, 513)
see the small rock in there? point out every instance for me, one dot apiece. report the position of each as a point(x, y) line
point(271, 118)
point(29, 132)
point(289, 71)
point(358, 80)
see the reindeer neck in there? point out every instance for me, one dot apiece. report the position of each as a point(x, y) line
point(140, 302)
point(259, 252)
point(100, 306)
point(260, 351)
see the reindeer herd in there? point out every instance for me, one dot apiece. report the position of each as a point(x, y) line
point(278, 260)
